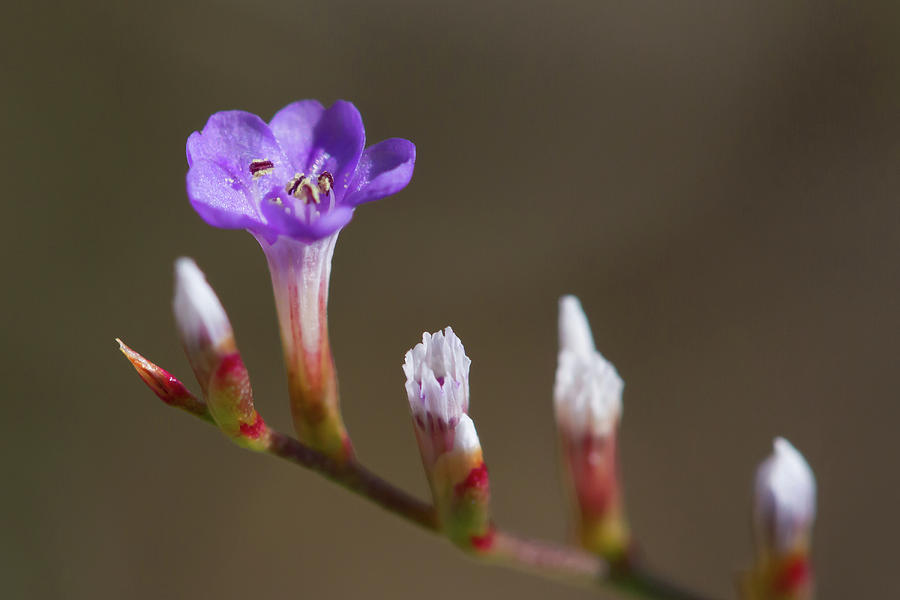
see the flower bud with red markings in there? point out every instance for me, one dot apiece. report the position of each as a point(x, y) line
point(784, 510)
point(164, 384)
point(588, 405)
point(209, 343)
point(437, 384)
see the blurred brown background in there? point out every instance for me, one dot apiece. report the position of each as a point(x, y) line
point(718, 182)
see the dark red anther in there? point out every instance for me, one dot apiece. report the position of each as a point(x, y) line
point(261, 167)
point(325, 181)
point(294, 183)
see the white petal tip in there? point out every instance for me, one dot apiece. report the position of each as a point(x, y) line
point(198, 312)
point(437, 376)
point(785, 495)
point(465, 437)
point(574, 329)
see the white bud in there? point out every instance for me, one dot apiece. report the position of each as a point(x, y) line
point(201, 320)
point(785, 498)
point(587, 392)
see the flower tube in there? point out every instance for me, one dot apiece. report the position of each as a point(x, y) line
point(294, 183)
point(437, 386)
point(587, 398)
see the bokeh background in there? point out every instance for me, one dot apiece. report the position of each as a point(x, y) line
point(718, 182)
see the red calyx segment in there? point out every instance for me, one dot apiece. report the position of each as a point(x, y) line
point(795, 574)
point(482, 543)
point(476, 480)
point(166, 387)
point(255, 429)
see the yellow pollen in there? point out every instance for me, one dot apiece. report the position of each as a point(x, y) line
point(308, 192)
point(326, 182)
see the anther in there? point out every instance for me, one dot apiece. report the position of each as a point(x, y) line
point(260, 166)
point(326, 182)
point(308, 192)
point(294, 183)
point(300, 186)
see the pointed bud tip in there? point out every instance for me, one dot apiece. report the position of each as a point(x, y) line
point(785, 496)
point(574, 329)
point(166, 387)
point(133, 357)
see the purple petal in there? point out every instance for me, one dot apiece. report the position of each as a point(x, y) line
point(233, 139)
point(282, 223)
point(319, 140)
point(220, 199)
point(293, 126)
point(384, 169)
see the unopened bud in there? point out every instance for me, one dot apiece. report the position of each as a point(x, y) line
point(784, 508)
point(784, 505)
point(437, 385)
point(164, 384)
point(208, 341)
point(202, 323)
point(587, 398)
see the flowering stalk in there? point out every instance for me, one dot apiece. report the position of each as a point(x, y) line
point(437, 386)
point(294, 183)
point(784, 509)
point(533, 556)
point(208, 341)
point(588, 404)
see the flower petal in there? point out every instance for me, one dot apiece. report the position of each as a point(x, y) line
point(233, 139)
point(219, 198)
point(281, 222)
point(384, 169)
point(319, 140)
point(293, 127)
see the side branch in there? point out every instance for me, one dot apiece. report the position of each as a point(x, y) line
point(566, 563)
point(356, 478)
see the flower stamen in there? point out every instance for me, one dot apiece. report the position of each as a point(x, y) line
point(260, 167)
point(326, 182)
point(301, 187)
point(294, 183)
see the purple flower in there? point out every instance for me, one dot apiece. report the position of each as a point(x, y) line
point(301, 176)
point(294, 183)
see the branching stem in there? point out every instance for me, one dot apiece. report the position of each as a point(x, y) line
point(566, 563)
